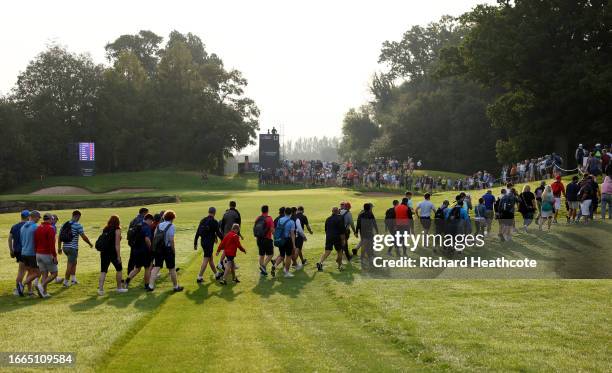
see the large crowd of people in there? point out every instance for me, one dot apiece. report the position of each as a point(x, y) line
point(395, 174)
point(151, 237)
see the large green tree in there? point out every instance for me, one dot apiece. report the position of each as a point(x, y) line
point(552, 60)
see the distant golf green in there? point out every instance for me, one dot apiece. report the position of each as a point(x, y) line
point(317, 321)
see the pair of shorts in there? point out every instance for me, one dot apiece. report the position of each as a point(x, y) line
point(299, 242)
point(426, 223)
point(333, 243)
point(29, 261)
point(71, 254)
point(547, 214)
point(142, 259)
point(107, 259)
point(574, 205)
point(229, 258)
point(166, 256)
point(18, 257)
point(585, 207)
point(489, 214)
point(557, 203)
point(286, 249)
point(45, 263)
point(265, 246)
point(208, 247)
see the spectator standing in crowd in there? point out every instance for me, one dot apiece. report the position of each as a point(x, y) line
point(424, 210)
point(548, 207)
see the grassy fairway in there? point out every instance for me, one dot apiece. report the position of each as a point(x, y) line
point(326, 321)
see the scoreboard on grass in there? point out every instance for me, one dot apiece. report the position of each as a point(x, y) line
point(84, 158)
point(269, 150)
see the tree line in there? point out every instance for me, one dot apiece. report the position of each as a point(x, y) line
point(501, 83)
point(156, 105)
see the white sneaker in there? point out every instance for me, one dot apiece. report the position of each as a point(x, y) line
point(40, 289)
point(100, 292)
point(66, 284)
point(15, 292)
point(46, 295)
point(59, 280)
point(289, 274)
point(299, 266)
point(122, 290)
point(74, 282)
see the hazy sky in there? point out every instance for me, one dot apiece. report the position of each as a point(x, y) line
point(307, 62)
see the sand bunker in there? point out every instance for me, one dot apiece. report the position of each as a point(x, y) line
point(72, 190)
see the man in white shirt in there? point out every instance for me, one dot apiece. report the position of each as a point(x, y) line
point(424, 210)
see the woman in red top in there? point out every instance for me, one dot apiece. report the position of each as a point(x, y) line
point(230, 245)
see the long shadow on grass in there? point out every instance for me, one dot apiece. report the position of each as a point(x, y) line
point(290, 287)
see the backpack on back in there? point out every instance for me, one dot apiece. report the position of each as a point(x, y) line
point(159, 240)
point(204, 227)
point(259, 229)
point(106, 241)
point(439, 214)
point(455, 213)
point(66, 234)
point(279, 236)
point(505, 205)
point(135, 235)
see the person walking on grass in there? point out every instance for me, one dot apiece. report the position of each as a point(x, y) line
point(46, 256)
point(480, 216)
point(109, 245)
point(334, 238)
point(208, 232)
point(263, 230)
point(349, 224)
point(366, 226)
point(165, 250)
point(14, 245)
point(390, 224)
point(606, 198)
point(68, 243)
point(489, 201)
point(230, 246)
point(527, 206)
point(423, 211)
point(230, 217)
point(571, 195)
point(138, 219)
point(302, 224)
point(284, 239)
point(141, 251)
point(548, 201)
point(558, 189)
point(28, 250)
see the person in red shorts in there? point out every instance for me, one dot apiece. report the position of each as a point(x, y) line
point(230, 245)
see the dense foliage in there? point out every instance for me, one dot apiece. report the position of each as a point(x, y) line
point(515, 80)
point(155, 106)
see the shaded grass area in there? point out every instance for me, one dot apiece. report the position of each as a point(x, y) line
point(327, 321)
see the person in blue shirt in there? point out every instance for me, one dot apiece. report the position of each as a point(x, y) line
point(28, 249)
point(287, 227)
point(14, 244)
point(489, 202)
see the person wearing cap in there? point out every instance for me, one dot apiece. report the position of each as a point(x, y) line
point(71, 248)
point(558, 189)
point(46, 256)
point(14, 245)
point(28, 249)
point(208, 232)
